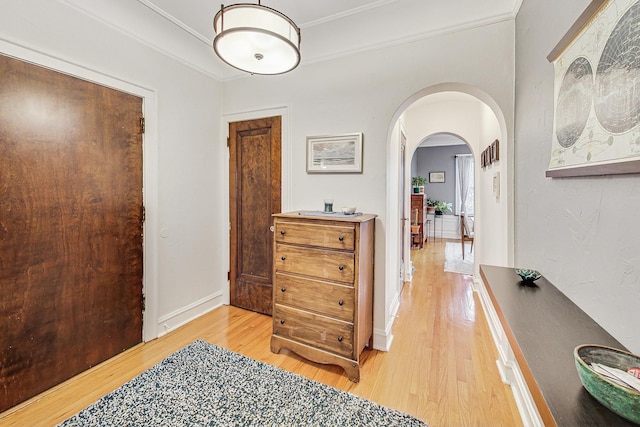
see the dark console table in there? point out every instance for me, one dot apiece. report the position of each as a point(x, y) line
point(543, 326)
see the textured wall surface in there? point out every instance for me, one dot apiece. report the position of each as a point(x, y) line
point(581, 233)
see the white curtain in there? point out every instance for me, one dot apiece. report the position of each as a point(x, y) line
point(464, 184)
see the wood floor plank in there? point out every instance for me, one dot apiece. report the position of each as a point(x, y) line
point(441, 367)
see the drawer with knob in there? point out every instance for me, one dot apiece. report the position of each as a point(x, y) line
point(321, 331)
point(325, 264)
point(319, 296)
point(326, 236)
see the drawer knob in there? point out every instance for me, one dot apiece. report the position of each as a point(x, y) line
point(282, 322)
point(340, 338)
point(283, 289)
point(341, 238)
point(283, 258)
point(341, 267)
point(282, 232)
point(340, 302)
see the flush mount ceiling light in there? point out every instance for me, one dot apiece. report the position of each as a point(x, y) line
point(256, 39)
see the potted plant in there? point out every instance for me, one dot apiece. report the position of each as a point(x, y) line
point(431, 206)
point(418, 183)
point(442, 207)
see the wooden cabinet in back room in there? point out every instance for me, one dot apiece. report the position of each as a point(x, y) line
point(419, 217)
point(323, 287)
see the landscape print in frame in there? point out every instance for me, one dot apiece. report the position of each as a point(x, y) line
point(335, 153)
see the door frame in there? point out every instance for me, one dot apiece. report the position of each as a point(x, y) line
point(286, 167)
point(149, 166)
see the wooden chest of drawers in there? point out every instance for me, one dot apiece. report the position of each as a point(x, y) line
point(323, 287)
point(419, 217)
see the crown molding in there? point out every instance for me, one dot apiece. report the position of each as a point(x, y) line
point(354, 11)
point(169, 17)
point(142, 40)
point(465, 26)
point(226, 75)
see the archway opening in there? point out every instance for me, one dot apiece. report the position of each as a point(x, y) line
point(444, 163)
point(474, 117)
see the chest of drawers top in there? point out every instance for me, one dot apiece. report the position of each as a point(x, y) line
point(337, 217)
point(331, 231)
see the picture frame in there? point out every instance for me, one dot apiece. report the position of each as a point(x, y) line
point(437, 177)
point(595, 126)
point(335, 153)
point(495, 151)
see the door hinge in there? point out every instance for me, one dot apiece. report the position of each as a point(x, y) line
point(144, 214)
point(141, 124)
point(144, 302)
point(228, 142)
point(228, 275)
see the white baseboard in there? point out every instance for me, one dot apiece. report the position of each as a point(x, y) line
point(382, 339)
point(524, 401)
point(508, 368)
point(408, 271)
point(492, 317)
point(188, 313)
point(395, 306)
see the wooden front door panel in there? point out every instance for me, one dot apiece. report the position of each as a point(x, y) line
point(70, 227)
point(255, 181)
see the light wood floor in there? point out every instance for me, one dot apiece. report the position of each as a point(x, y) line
point(441, 367)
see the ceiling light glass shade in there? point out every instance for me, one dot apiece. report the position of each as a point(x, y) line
point(256, 39)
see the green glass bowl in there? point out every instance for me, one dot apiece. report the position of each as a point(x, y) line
point(621, 400)
point(527, 275)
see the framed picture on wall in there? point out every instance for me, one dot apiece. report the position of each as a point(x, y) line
point(436, 176)
point(597, 79)
point(335, 153)
point(495, 151)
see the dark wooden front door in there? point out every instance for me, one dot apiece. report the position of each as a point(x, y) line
point(70, 227)
point(254, 181)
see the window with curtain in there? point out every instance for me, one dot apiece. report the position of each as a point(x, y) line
point(464, 184)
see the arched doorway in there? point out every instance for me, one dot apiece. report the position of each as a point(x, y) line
point(445, 161)
point(473, 115)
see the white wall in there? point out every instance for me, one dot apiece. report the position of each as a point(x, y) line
point(581, 233)
point(494, 232)
point(364, 92)
point(398, 134)
point(184, 272)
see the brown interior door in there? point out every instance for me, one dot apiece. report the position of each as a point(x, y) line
point(70, 227)
point(255, 182)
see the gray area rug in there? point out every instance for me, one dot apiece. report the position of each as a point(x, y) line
point(205, 385)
